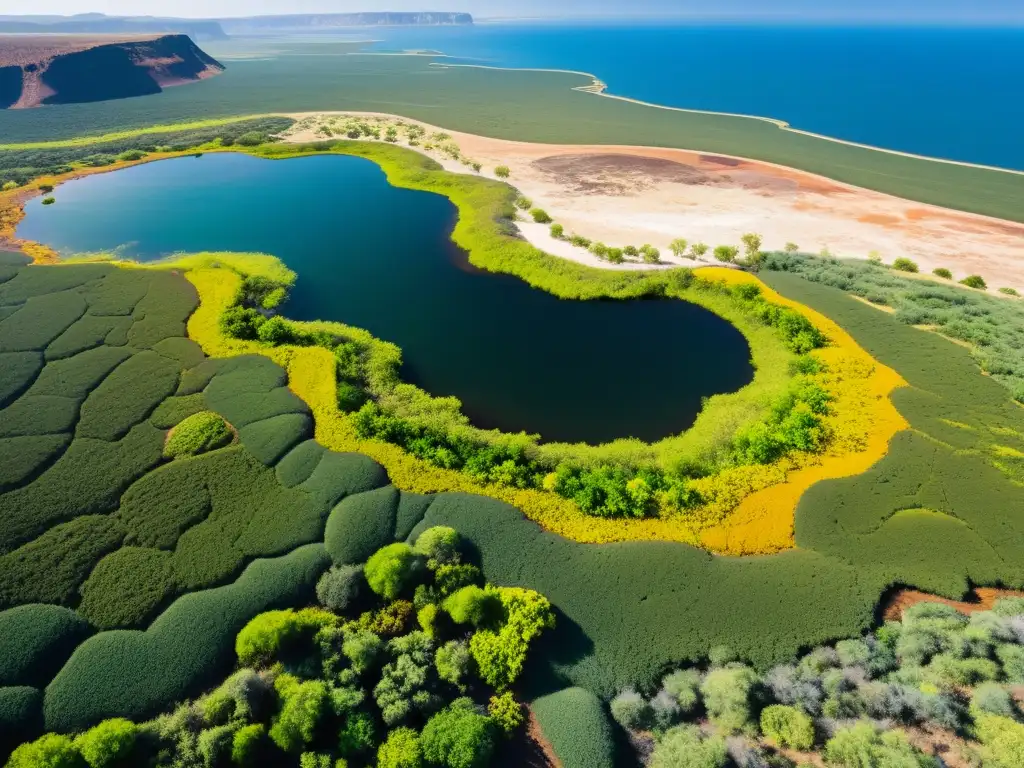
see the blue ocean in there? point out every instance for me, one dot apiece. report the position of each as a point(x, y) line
point(955, 93)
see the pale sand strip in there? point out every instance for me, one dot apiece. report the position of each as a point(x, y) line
point(633, 195)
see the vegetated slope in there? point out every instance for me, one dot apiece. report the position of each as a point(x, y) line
point(67, 70)
point(322, 21)
point(98, 23)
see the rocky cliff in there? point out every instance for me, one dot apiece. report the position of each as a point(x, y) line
point(52, 69)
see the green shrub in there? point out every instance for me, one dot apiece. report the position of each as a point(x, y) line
point(903, 264)
point(340, 587)
point(248, 744)
point(474, 605)
point(684, 686)
point(459, 736)
point(557, 231)
point(974, 281)
point(574, 721)
point(726, 253)
point(108, 743)
point(50, 751)
point(131, 155)
point(506, 712)
point(454, 663)
point(274, 633)
point(1009, 291)
point(992, 699)
point(401, 750)
point(451, 578)
point(523, 203)
point(199, 433)
point(1003, 740)
point(685, 747)
point(49, 200)
point(540, 216)
point(440, 545)
point(500, 655)
point(502, 171)
point(942, 272)
point(728, 693)
point(251, 139)
point(862, 746)
point(631, 710)
point(304, 704)
point(788, 727)
point(391, 570)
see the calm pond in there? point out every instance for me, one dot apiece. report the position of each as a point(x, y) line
point(378, 257)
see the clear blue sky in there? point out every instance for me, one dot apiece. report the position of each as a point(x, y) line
point(975, 11)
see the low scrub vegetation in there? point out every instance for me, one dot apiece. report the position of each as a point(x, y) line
point(993, 328)
point(20, 166)
point(938, 672)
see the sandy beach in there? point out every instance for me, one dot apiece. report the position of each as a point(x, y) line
point(623, 195)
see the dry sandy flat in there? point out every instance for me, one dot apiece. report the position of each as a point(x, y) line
point(634, 195)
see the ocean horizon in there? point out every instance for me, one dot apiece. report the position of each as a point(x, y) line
point(947, 92)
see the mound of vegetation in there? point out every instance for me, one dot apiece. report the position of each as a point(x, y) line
point(942, 675)
point(21, 166)
point(407, 663)
point(198, 433)
point(993, 327)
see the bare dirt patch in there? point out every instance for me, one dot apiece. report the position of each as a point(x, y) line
point(980, 599)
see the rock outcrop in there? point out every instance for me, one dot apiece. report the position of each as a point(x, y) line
point(53, 69)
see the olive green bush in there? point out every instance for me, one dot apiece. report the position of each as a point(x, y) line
point(196, 434)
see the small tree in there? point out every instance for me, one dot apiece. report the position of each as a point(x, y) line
point(727, 695)
point(751, 244)
point(791, 247)
point(726, 253)
point(459, 736)
point(651, 255)
point(788, 727)
point(630, 710)
point(108, 743)
point(502, 172)
point(698, 250)
point(557, 231)
point(678, 247)
point(631, 251)
point(615, 256)
point(904, 264)
point(391, 569)
point(974, 281)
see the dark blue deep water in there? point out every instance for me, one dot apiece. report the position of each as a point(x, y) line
point(955, 93)
point(378, 257)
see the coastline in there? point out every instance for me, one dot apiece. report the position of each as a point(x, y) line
point(628, 194)
point(599, 88)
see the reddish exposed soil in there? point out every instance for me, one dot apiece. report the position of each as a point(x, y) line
point(980, 599)
point(529, 749)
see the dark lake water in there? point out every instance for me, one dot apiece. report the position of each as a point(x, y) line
point(378, 257)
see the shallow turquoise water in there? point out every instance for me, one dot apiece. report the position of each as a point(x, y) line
point(378, 257)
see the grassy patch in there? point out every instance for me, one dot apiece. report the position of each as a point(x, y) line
point(575, 722)
point(135, 674)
